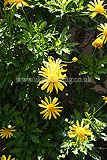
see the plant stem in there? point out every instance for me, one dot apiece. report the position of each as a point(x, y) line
point(25, 14)
point(67, 62)
point(94, 52)
point(99, 109)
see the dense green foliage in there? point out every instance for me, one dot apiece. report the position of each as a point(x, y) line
point(57, 28)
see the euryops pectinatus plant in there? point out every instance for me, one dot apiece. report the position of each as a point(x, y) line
point(53, 75)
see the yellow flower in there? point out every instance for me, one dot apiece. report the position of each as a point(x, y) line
point(74, 59)
point(104, 98)
point(96, 8)
point(63, 156)
point(80, 131)
point(103, 35)
point(98, 43)
point(4, 157)
point(50, 108)
point(18, 3)
point(52, 72)
point(6, 132)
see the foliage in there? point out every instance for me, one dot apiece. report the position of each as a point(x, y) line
point(28, 37)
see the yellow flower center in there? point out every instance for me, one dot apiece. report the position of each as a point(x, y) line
point(51, 107)
point(99, 9)
point(105, 32)
point(6, 130)
point(53, 77)
point(80, 131)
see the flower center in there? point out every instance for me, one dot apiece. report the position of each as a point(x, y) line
point(99, 9)
point(51, 108)
point(53, 77)
point(105, 32)
point(6, 130)
point(80, 131)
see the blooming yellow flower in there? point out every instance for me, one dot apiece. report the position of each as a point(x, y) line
point(52, 72)
point(103, 35)
point(74, 59)
point(97, 7)
point(4, 157)
point(18, 3)
point(50, 108)
point(104, 98)
point(63, 156)
point(6, 132)
point(80, 131)
point(98, 43)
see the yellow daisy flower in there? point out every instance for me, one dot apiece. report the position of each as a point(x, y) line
point(104, 98)
point(74, 59)
point(52, 72)
point(80, 131)
point(103, 35)
point(97, 7)
point(50, 108)
point(98, 43)
point(4, 157)
point(18, 3)
point(7, 132)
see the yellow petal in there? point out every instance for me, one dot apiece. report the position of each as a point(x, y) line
point(41, 105)
point(56, 87)
point(43, 111)
point(49, 115)
point(9, 157)
point(45, 86)
point(54, 100)
point(100, 29)
point(77, 122)
point(93, 14)
point(3, 157)
point(13, 5)
point(54, 115)
point(25, 4)
point(50, 88)
point(82, 122)
point(92, 3)
point(46, 99)
point(56, 112)
point(91, 7)
point(60, 86)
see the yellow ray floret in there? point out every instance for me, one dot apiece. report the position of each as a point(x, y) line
point(6, 132)
point(50, 108)
point(97, 7)
point(98, 43)
point(18, 3)
point(7, 1)
point(104, 98)
point(52, 73)
point(103, 29)
point(9, 157)
point(80, 131)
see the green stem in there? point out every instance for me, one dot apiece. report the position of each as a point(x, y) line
point(25, 14)
point(94, 52)
point(99, 109)
point(67, 62)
